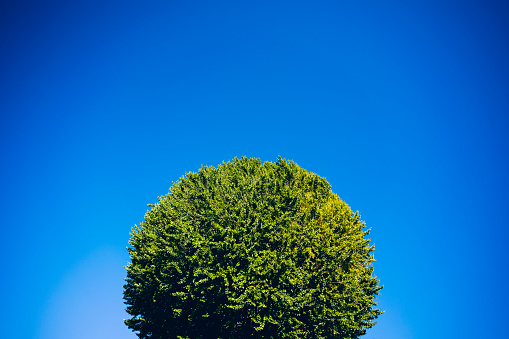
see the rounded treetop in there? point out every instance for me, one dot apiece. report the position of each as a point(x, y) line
point(251, 249)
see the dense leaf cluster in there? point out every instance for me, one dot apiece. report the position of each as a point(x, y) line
point(250, 249)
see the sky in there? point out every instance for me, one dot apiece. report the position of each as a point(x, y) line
point(401, 105)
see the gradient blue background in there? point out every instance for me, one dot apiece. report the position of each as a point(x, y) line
point(402, 106)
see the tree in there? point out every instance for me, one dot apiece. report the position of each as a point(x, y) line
point(250, 249)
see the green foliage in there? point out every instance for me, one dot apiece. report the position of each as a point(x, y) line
point(251, 249)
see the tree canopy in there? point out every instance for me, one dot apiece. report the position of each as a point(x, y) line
point(251, 249)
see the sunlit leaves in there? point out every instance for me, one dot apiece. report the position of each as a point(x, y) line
point(250, 249)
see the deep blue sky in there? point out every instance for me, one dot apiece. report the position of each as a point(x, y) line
point(403, 106)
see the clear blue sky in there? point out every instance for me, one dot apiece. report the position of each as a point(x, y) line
point(402, 105)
